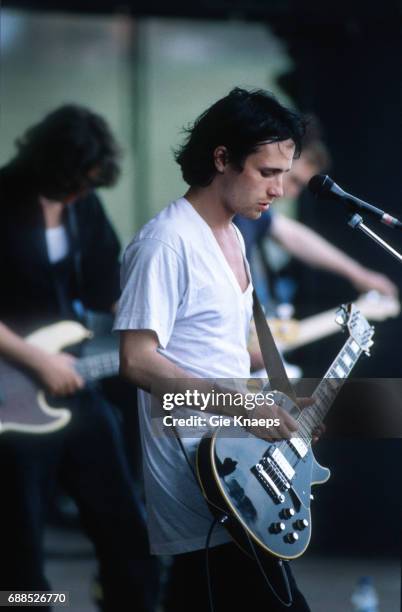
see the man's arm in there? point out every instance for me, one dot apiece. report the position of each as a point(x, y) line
point(141, 363)
point(55, 371)
point(305, 244)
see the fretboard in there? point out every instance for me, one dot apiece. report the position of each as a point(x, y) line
point(326, 392)
point(98, 366)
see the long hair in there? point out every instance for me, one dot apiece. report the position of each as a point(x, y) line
point(71, 149)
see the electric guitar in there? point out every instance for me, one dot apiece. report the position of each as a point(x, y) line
point(23, 404)
point(263, 489)
point(291, 334)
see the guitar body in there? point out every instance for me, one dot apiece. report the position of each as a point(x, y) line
point(23, 405)
point(232, 485)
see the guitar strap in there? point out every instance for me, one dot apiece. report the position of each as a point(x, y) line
point(78, 306)
point(76, 250)
point(272, 359)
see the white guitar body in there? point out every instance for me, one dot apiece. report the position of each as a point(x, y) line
point(23, 405)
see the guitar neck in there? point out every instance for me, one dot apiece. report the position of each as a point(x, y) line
point(326, 392)
point(99, 366)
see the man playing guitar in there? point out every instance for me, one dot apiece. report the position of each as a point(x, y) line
point(184, 314)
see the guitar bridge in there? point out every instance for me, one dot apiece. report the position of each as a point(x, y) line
point(271, 478)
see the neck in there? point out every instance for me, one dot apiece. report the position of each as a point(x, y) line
point(52, 212)
point(210, 207)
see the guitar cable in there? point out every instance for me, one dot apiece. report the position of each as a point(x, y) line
point(263, 572)
point(222, 519)
point(207, 569)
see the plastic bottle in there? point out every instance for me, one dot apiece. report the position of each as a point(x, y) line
point(364, 597)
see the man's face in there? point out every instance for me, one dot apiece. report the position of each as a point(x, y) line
point(251, 191)
point(296, 180)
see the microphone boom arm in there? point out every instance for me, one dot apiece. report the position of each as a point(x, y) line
point(356, 222)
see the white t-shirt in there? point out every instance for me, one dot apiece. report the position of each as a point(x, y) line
point(57, 243)
point(177, 282)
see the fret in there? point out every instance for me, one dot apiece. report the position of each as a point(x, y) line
point(349, 351)
point(332, 375)
point(346, 360)
point(344, 365)
point(309, 418)
point(98, 366)
point(303, 431)
point(340, 371)
point(320, 410)
point(355, 348)
point(328, 389)
point(324, 394)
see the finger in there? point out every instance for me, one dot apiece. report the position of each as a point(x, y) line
point(319, 431)
point(287, 423)
point(303, 402)
point(80, 382)
point(68, 358)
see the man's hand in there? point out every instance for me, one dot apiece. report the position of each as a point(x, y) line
point(366, 280)
point(58, 375)
point(288, 426)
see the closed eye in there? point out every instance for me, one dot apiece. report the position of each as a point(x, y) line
point(270, 172)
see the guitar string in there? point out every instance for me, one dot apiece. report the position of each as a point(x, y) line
point(93, 366)
point(329, 376)
point(304, 433)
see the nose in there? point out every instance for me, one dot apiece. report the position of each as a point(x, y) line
point(275, 188)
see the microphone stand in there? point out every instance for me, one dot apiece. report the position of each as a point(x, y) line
point(356, 222)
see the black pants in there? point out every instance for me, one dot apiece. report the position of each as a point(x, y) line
point(88, 458)
point(236, 581)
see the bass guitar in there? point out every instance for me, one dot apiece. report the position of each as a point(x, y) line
point(263, 489)
point(23, 403)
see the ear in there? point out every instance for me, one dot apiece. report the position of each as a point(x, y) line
point(221, 158)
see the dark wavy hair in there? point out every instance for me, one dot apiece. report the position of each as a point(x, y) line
point(241, 121)
point(71, 149)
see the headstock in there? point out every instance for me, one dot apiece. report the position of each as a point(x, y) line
point(349, 317)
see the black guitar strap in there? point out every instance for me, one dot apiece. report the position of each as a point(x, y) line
point(74, 234)
point(272, 360)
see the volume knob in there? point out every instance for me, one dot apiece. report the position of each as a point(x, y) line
point(287, 513)
point(301, 524)
point(277, 527)
point(292, 537)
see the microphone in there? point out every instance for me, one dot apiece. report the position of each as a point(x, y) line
point(322, 186)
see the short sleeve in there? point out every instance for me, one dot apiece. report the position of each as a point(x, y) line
point(153, 284)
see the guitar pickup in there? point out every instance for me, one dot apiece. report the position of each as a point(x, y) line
point(299, 446)
point(282, 463)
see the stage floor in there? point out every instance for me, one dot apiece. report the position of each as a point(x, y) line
point(326, 582)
